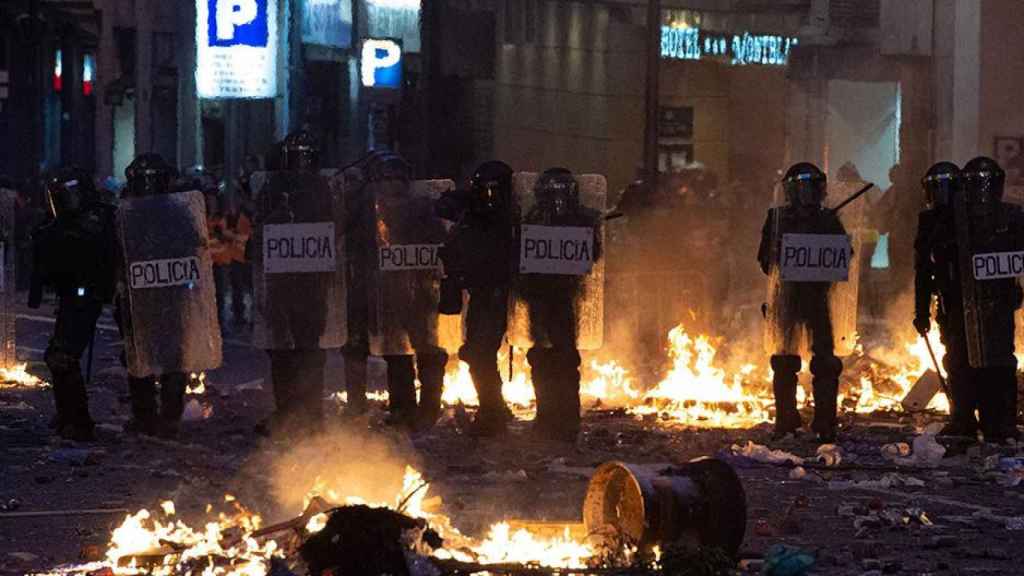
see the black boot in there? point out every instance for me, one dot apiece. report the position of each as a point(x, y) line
point(997, 404)
point(430, 368)
point(492, 417)
point(144, 406)
point(401, 391)
point(825, 371)
point(283, 378)
point(963, 422)
point(355, 384)
point(76, 423)
point(172, 403)
point(311, 396)
point(565, 392)
point(544, 376)
point(784, 384)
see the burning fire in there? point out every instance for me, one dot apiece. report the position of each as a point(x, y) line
point(18, 377)
point(161, 545)
point(697, 390)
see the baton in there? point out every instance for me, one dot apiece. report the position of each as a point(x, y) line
point(88, 364)
point(942, 381)
point(856, 195)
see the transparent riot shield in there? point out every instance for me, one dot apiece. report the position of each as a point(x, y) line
point(405, 275)
point(171, 297)
point(813, 277)
point(539, 299)
point(989, 269)
point(299, 282)
point(8, 283)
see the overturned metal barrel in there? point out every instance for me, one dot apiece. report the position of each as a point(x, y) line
point(699, 503)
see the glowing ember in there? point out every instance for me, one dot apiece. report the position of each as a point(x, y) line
point(18, 377)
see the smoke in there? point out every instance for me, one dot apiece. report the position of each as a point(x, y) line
point(343, 462)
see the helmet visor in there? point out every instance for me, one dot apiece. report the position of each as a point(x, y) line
point(940, 188)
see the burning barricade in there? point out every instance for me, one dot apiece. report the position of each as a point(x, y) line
point(630, 516)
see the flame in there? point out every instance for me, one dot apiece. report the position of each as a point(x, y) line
point(504, 545)
point(17, 376)
point(698, 392)
point(197, 384)
point(895, 373)
point(517, 390)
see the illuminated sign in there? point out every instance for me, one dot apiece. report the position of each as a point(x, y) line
point(398, 19)
point(381, 64)
point(58, 71)
point(736, 49)
point(236, 48)
point(327, 23)
point(88, 74)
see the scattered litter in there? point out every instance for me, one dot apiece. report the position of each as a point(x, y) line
point(926, 452)
point(830, 455)
point(759, 453)
point(787, 561)
point(894, 451)
point(1006, 471)
point(797, 473)
point(890, 480)
point(195, 411)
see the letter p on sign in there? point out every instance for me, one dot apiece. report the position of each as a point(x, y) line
point(238, 23)
point(381, 65)
point(232, 14)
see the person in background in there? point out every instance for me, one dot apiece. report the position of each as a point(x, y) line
point(220, 251)
point(237, 233)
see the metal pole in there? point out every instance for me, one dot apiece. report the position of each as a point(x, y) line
point(653, 63)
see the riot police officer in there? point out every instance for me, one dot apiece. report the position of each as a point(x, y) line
point(151, 175)
point(988, 226)
point(552, 302)
point(479, 257)
point(295, 307)
point(937, 274)
point(798, 307)
point(403, 301)
point(74, 254)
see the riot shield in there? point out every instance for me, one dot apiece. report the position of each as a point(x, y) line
point(558, 282)
point(171, 323)
point(299, 283)
point(406, 270)
point(8, 282)
point(813, 277)
point(990, 261)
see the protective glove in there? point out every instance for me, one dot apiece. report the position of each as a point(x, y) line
point(923, 325)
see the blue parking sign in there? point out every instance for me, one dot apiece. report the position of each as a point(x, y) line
point(237, 23)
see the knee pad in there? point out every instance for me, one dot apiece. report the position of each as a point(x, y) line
point(785, 363)
point(826, 366)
